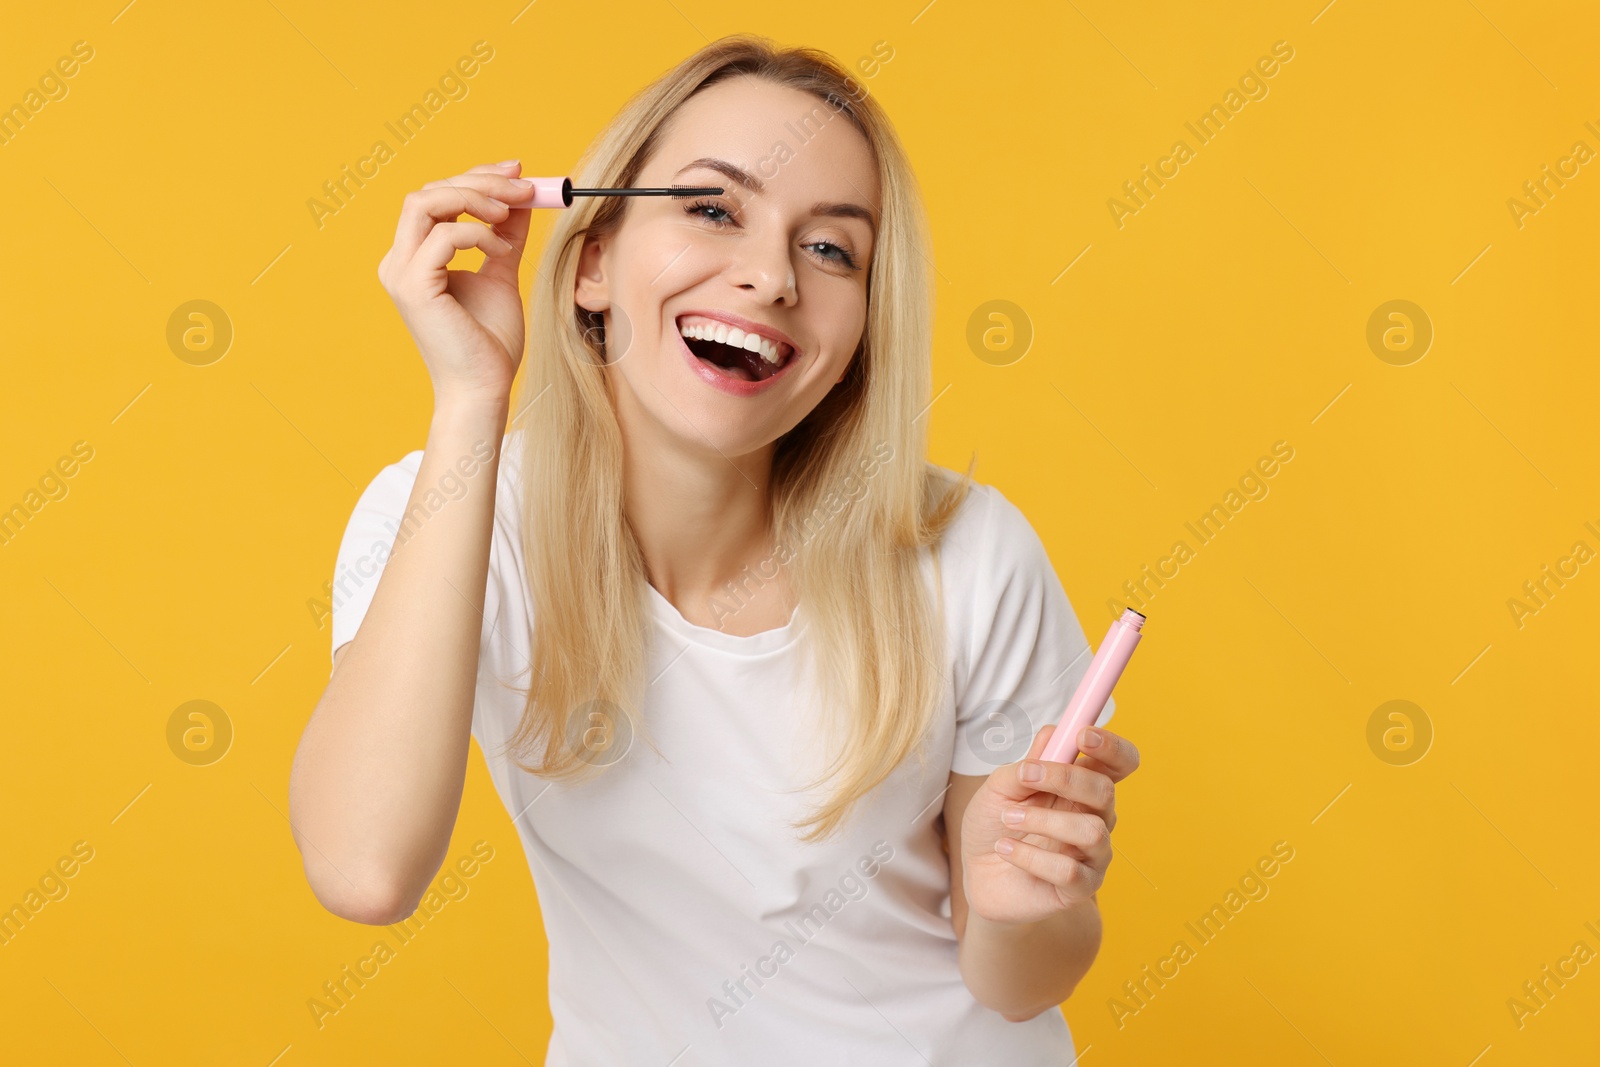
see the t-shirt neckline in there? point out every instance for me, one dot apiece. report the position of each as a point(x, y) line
point(749, 644)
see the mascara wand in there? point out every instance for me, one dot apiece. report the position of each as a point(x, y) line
point(558, 192)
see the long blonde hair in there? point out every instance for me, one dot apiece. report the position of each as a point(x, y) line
point(878, 641)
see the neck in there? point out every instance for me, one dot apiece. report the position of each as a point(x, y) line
point(702, 521)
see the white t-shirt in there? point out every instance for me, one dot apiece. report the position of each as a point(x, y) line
point(686, 922)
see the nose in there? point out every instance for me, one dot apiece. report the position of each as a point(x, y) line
point(766, 271)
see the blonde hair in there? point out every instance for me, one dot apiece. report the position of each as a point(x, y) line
point(878, 651)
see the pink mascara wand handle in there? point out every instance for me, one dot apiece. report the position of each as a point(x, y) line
point(1095, 688)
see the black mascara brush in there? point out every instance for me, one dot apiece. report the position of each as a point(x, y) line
point(558, 192)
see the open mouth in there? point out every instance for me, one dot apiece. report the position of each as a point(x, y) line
point(735, 353)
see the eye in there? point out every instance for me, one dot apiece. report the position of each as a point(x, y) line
point(839, 254)
point(700, 208)
point(722, 218)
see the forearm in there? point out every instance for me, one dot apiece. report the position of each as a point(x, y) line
point(1022, 970)
point(377, 779)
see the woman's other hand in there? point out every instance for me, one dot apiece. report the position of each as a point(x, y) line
point(1056, 856)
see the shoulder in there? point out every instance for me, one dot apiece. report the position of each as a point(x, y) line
point(993, 568)
point(395, 477)
point(393, 506)
point(392, 485)
point(987, 530)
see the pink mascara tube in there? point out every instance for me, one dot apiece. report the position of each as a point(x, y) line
point(1095, 689)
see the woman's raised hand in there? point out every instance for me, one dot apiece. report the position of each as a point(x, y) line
point(468, 325)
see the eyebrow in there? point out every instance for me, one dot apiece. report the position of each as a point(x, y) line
point(822, 208)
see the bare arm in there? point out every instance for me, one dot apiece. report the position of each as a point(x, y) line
point(378, 776)
point(1017, 970)
point(1024, 890)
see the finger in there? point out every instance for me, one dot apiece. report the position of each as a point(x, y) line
point(1082, 830)
point(1077, 878)
point(1070, 781)
point(484, 168)
point(1107, 814)
point(498, 184)
point(1040, 740)
point(1009, 786)
point(514, 228)
point(448, 238)
point(424, 209)
point(1113, 755)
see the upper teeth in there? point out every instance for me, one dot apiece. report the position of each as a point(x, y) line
point(722, 333)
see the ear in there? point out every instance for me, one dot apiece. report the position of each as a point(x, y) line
point(592, 293)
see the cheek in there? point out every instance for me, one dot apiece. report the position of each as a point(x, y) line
point(846, 322)
point(666, 261)
point(649, 268)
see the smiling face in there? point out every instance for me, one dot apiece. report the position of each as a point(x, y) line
point(781, 255)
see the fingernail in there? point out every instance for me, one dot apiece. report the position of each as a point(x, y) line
point(526, 183)
point(1031, 771)
point(1004, 846)
point(1091, 739)
point(1013, 816)
point(509, 163)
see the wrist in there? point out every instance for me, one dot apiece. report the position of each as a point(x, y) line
point(475, 414)
point(1001, 932)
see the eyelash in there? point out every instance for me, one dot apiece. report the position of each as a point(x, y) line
point(844, 259)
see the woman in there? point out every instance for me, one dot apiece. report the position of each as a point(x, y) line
point(764, 756)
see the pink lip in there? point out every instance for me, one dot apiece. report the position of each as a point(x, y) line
point(734, 386)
